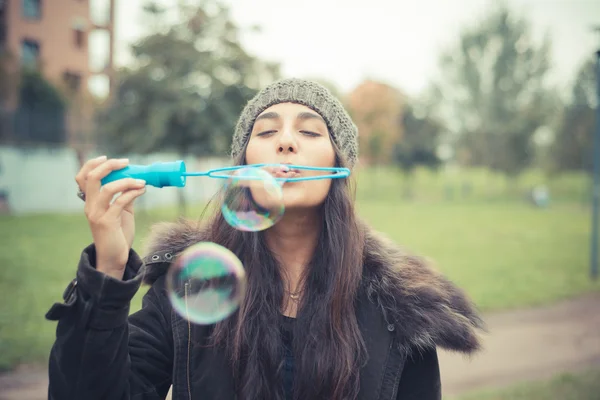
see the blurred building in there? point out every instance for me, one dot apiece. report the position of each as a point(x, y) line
point(60, 39)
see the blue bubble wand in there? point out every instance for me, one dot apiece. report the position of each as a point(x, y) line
point(174, 173)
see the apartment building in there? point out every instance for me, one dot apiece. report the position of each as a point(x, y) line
point(56, 37)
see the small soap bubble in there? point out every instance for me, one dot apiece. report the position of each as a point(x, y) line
point(253, 198)
point(206, 283)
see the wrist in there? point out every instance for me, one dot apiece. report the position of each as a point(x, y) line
point(110, 269)
point(117, 274)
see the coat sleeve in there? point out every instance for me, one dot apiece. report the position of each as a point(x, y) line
point(101, 352)
point(420, 378)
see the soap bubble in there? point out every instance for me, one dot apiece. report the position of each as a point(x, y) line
point(206, 283)
point(253, 198)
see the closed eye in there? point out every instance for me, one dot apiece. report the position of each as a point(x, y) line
point(265, 133)
point(308, 133)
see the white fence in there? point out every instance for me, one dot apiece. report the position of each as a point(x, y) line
point(43, 180)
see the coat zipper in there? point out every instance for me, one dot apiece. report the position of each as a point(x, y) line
point(189, 342)
point(391, 328)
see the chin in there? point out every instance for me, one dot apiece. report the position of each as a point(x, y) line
point(302, 198)
point(301, 209)
point(301, 203)
point(294, 203)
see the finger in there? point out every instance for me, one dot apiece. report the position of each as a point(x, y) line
point(108, 191)
point(86, 168)
point(124, 200)
point(95, 176)
point(129, 207)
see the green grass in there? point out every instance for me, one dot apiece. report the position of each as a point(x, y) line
point(504, 253)
point(386, 183)
point(39, 256)
point(581, 386)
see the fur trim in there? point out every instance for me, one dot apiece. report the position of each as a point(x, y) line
point(172, 237)
point(425, 308)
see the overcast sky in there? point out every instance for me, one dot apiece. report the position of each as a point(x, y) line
point(397, 41)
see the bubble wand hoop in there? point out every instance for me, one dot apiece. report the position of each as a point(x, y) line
point(174, 173)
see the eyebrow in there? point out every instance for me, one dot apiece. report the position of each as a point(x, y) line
point(308, 115)
point(301, 116)
point(268, 115)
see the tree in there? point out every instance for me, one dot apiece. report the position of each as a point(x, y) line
point(7, 90)
point(40, 116)
point(187, 88)
point(375, 147)
point(493, 94)
point(375, 108)
point(7, 76)
point(572, 147)
point(32, 109)
point(418, 145)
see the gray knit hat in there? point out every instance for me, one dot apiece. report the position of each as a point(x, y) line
point(307, 93)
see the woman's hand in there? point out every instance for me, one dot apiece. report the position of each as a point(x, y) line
point(111, 222)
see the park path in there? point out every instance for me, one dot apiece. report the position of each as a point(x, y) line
point(529, 344)
point(521, 345)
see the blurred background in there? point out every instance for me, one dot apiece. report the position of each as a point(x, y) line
point(476, 118)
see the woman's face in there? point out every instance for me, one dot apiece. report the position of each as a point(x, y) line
point(289, 133)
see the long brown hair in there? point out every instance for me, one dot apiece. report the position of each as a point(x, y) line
point(327, 343)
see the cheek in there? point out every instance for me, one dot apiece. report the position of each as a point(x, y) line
point(322, 190)
point(253, 152)
point(318, 192)
point(326, 157)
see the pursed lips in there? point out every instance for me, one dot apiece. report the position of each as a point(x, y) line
point(283, 172)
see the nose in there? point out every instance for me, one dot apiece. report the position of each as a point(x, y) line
point(286, 144)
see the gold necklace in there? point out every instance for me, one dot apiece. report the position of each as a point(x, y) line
point(294, 295)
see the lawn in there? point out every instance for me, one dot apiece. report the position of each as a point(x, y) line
point(504, 253)
point(580, 386)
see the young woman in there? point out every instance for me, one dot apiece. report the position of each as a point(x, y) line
point(333, 310)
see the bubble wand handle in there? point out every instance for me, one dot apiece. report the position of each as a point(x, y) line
point(158, 174)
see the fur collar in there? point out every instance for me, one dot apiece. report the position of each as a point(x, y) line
point(425, 308)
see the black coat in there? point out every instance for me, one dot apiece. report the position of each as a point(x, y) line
point(103, 353)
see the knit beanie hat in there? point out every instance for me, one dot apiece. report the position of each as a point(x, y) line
point(310, 94)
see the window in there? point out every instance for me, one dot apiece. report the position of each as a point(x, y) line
point(30, 53)
point(79, 38)
point(79, 26)
point(72, 80)
point(32, 9)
